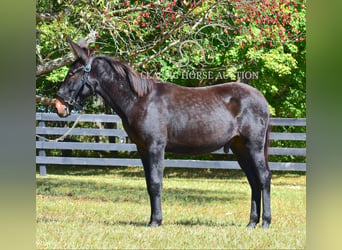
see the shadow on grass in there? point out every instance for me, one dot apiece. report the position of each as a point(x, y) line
point(89, 190)
point(189, 223)
point(125, 223)
point(125, 192)
point(168, 172)
point(208, 223)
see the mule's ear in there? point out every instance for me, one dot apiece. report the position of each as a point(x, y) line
point(78, 50)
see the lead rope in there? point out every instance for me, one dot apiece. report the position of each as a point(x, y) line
point(61, 138)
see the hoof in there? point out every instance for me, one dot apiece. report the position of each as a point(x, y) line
point(252, 225)
point(155, 224)
point(265, 225)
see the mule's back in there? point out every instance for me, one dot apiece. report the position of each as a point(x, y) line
point(201, 120)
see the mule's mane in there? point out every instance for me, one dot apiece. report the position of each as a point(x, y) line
point(140, 84)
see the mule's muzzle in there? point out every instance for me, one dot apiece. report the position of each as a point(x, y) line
point(71, 101)
point(63, 108)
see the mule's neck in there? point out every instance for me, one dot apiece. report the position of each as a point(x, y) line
point(118, 94)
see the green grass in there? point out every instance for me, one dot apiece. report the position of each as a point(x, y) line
point(101, 208)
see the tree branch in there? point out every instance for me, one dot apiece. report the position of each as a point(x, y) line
point(55, 64)
point(129, 10)
point(176, 42)
point(47, 17)
point(166, 35)
point(45, 100)
point(65, 60)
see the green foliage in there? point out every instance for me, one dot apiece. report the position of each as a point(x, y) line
point(171, 39)
point(278, 63)
point(57, 75)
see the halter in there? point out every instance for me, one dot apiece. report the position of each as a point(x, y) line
point(72, 100)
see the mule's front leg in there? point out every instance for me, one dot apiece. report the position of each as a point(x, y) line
point(153, 161)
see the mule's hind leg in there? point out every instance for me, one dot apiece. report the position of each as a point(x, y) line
point(246, 163)
point(257, 147)
point(264, 175)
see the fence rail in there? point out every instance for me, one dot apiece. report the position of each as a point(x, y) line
point(44, 130)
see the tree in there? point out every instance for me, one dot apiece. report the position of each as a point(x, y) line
point(192, 43)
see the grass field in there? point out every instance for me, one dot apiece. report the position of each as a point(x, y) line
point(106, 208)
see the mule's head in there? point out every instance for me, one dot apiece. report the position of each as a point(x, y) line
point(78, 83)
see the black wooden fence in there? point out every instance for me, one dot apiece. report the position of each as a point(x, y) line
point(49, 125)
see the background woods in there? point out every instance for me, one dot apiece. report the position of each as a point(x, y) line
point(191, 43)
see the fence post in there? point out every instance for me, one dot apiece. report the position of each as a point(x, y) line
point(42, 168)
